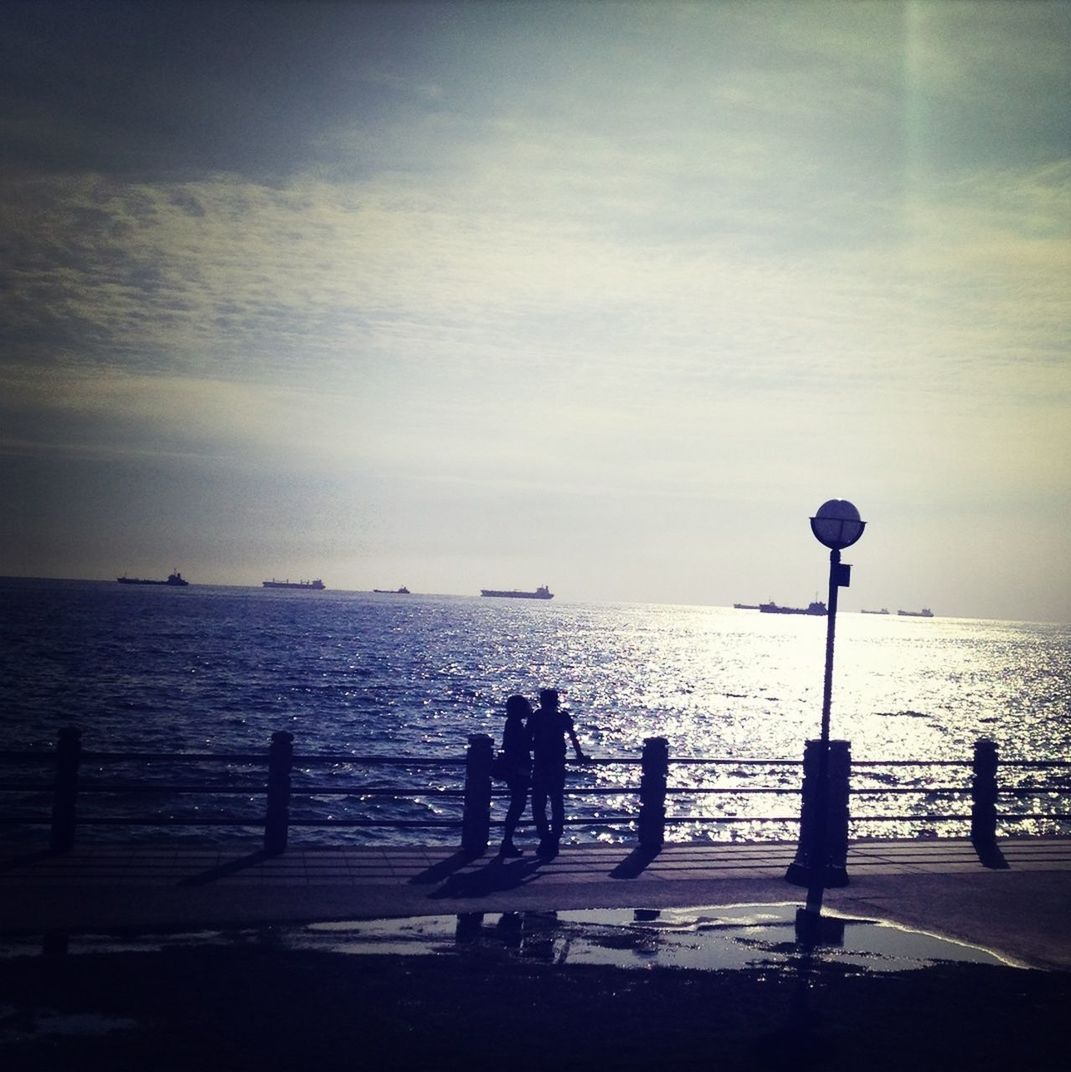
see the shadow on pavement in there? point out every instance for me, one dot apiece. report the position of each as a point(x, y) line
point(437, 872)
point(230, 868)
point(29, 858)
point(989, 855)
point(635, 863)
point(496, 876)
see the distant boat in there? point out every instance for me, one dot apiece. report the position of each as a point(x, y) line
point(745, 606)
point(315, 586)
point(811, 608)
point(174, 580)
point(884, 610)
point(403, 591)
point(924, 613)
point(542, 592)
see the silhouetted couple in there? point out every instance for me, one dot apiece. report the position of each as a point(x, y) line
point(533, 747)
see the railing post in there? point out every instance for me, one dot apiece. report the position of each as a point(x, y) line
point(655, 767)
point(984, 792)
point(476, 820)
point(280, 763)
point(830, 862)
point(65, 796)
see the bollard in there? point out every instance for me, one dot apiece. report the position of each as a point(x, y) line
point(64, 800)
point(476, 820)
point(812, 863)
point(984, 792)
point(652, 819)
point(277, 820)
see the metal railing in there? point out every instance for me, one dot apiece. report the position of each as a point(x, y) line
point(274, 781)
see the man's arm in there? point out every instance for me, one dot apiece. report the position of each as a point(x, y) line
point(576, 744)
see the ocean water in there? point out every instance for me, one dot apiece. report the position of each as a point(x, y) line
point(215, 669)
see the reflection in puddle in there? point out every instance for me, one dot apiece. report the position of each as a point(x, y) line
point(704, 939)
point(715, 938)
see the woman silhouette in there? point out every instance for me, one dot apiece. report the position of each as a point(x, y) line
point(517, 757)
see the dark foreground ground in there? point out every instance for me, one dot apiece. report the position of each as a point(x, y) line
point(257, 1009)
point(254, 1003)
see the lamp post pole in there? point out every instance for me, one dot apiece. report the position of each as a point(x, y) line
point(835, 573)
point(837, 525)
point(818, 868)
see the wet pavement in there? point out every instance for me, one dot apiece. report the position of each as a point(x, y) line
point(171, 959)
point(701, 938)
point(1016, 901)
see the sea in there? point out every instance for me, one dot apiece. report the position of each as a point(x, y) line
point(407, 679)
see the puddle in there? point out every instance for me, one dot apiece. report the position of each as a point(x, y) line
point(717, 938)
point(714, 938)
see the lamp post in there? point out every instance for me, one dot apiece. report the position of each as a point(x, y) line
point(836, 525)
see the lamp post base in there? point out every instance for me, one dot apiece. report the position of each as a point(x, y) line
point(822, 853)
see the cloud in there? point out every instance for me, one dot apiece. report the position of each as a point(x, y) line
point(417, 294)
point(468, 254)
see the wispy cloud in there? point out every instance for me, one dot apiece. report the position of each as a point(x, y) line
point(671, 253)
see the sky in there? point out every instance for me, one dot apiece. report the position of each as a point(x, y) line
point(604, 296)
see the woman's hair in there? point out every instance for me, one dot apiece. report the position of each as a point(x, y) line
point(518, 705)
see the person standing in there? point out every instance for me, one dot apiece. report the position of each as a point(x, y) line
point(549, 726)
point(517, 760)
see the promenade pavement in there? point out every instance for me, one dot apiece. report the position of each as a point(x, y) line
point(1016, 901)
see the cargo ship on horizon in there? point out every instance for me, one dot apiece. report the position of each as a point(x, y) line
point(811, 608)
point(542, 592)
point(174, 580)
point(315, 586)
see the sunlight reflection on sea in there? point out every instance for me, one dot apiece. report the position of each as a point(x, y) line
point(220, 669)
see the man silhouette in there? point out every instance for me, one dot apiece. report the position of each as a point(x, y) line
point(549, 726)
